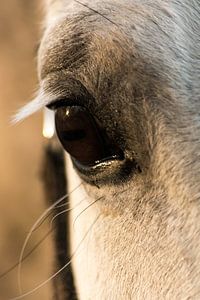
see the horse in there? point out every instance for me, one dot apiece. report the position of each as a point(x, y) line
point(122, 79)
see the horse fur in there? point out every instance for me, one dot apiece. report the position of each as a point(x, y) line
point(140, 62)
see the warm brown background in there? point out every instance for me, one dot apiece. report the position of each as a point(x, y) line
point(21, 198)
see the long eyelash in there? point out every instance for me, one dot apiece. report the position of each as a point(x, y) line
point(65, 102)
point(61, 269)
point(41, 100)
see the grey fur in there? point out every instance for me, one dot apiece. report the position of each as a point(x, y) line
point(136, 65)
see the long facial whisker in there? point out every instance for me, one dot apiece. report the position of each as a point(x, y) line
point(64, 211)
point(46, 217)
point(57, 206)
point(35, 225)
point(61, 269)
point(98, 199)
point(85, 210)
point(28, 254)
point(42, 221)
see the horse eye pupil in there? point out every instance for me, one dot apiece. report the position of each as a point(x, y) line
point(74, 135)
point(79, 134)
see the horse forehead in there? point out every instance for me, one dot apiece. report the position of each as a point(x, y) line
point(131, 24)
point(114, 38)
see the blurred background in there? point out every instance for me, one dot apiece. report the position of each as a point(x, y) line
point(21, 195)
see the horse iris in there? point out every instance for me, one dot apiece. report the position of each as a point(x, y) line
point(79, 134)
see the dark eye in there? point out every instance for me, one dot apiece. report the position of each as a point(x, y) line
point(80, 135)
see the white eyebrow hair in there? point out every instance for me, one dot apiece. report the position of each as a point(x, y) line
point(40, 101)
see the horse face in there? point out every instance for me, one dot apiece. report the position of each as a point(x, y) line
point(124, 79)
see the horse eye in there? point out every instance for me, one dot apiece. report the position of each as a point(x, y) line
point(79, 134)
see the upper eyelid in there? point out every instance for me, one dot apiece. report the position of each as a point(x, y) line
point(64, 102)
point(64, 84)
point(56, 103)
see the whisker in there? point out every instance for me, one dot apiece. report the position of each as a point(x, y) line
point(42, 221)
point(62, 205)
point(96, 12)
point(35, 225)
point(28, 254)
point(115, 194)
point(46, 217)
point(64, 211)
point(85, 210)
point(61, 269)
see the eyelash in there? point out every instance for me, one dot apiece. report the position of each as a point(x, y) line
point(64, 102)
